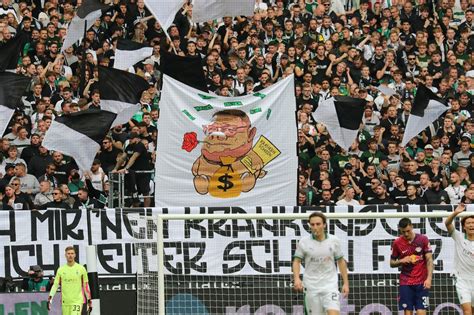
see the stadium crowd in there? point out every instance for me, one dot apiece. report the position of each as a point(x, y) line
point(333, 47)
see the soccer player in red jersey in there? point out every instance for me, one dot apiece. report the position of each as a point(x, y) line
point(412, 252)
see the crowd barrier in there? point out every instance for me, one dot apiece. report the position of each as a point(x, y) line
point(118, 197)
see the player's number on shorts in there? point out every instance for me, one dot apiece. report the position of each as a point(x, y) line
point(335, 297)
point(426, 302)
point(76, 308)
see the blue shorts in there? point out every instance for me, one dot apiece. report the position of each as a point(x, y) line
point(413, 297)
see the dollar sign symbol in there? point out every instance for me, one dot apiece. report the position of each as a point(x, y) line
point(225, 180)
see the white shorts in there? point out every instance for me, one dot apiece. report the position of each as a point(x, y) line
point(465, 290)
point(318, 303)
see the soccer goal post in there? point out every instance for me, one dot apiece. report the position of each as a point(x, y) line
point(240, 263)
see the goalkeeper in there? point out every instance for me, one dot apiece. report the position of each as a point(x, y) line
point(72, 277)
point(463, 258)
point(320, 252)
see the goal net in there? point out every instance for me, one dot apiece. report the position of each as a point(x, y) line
point(238, 260)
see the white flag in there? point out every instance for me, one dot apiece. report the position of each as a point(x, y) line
point(342, 116)
point(164, 11)
point(206, 10)
point(85, 17)
point(128, 53)
point(214, 150)
point(384, 89)
point(427, 107)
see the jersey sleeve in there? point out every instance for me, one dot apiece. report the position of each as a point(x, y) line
point(426, 245)
point(85, 277)
point(56, 284)
point(456, 235)
point(85, 283)
point(299, 252)
point(395, 251)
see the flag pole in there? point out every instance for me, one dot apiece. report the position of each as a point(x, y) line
point(171, 42)
point(84, 61)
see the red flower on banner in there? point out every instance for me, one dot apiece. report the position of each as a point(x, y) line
point(190, 141)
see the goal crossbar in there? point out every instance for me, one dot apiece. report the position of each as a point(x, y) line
point(296, 216)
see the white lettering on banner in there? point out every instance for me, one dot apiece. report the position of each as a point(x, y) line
point(206, 247)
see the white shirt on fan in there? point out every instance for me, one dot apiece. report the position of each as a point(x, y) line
point(344, 202)
point(455, 194)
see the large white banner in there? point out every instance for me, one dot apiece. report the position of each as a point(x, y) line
point(266, 247)
point(215, 151)
point(206, 247)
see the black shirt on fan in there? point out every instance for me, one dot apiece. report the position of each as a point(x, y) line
point(142, 162)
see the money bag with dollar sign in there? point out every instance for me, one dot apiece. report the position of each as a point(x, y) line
point(225, 182)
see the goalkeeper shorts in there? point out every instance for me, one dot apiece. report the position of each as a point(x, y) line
point(75, 309)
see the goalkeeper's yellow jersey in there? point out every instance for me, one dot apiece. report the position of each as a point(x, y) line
point(71, 280)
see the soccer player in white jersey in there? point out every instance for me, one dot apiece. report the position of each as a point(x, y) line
point(320, 252)
point(463, 258)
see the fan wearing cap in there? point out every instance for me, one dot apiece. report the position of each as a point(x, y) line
point(9, 173)
point(191, 47)
point(249, 86)
point(429, 156)
point(470, 82)
point(150, 73)
point(35, 281)
point(228, 83)
point(373, 154)
point(382, 169)
point(436, 194)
